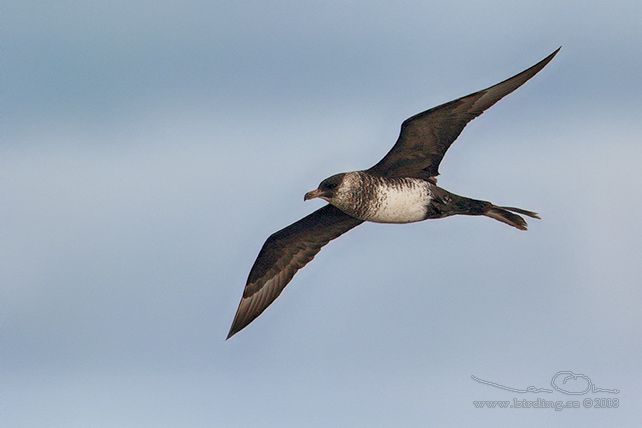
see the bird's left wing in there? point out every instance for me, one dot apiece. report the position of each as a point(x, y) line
point(425, 137)
point(283, 254)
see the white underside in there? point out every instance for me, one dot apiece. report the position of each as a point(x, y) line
point(402, 205)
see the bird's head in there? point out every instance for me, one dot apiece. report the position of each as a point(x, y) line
point(329, 189)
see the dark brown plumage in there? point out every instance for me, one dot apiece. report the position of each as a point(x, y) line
point(422, 143)
point(283, 254)
point(425, 137)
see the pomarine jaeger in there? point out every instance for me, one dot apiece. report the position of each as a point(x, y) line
point(401, 188)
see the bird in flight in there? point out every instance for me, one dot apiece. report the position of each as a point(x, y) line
point(401, 188)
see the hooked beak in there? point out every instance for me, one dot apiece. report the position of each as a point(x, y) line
point(313, 194)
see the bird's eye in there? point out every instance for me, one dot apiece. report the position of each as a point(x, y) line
point(331, 186)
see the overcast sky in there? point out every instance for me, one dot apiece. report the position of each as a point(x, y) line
point(148, 149)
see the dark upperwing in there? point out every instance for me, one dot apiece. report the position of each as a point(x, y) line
point(425, 137)
point(283, 254)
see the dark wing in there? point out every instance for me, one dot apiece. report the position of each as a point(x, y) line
point(283, 254)
point(426, 136)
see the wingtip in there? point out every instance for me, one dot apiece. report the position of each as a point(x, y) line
point(239, 324)
point(548, 59)
point(234, 329)
point(552, 55)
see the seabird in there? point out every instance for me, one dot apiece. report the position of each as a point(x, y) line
point(401, 188)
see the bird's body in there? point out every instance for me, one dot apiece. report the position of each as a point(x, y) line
point(369, 197)
point(400, 200)
point(401, 188)
point(383, 200)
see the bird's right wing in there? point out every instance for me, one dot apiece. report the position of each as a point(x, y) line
point(283, 254)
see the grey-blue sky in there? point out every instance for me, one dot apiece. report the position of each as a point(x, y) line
point(149, 148)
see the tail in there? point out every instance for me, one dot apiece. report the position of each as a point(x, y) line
point(445, 204)
point(505, 215)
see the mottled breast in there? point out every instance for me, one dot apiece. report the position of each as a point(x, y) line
point(384, 200)
point(402, 200)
